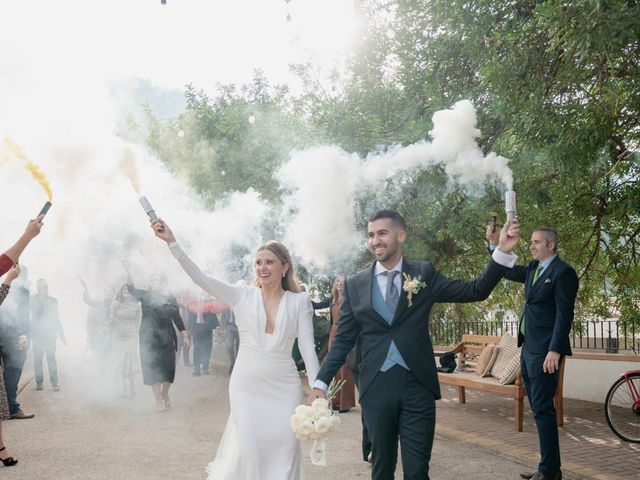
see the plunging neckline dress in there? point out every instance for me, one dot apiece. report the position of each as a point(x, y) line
point(265, 388)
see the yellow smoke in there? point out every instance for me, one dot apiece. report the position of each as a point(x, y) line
point(33, 169)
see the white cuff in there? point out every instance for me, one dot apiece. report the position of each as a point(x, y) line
point(504, 259)
point(319, 384)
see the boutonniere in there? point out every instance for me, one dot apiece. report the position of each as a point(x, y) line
point(548, 280)
point(412, 286)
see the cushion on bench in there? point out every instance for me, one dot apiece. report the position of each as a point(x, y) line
point(486, 360)
point(507, 361)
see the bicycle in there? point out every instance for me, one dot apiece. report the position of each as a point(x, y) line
point(622, 406)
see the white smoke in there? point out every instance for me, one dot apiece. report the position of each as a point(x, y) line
point(323, 182)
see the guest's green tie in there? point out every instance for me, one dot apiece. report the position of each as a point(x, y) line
point(537, 274)
point(535, 279)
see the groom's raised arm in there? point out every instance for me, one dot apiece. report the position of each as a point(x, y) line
point(344, 341)
point(450, 290)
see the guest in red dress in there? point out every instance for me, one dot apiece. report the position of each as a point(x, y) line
point(12, 255)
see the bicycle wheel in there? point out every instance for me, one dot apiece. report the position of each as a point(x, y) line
point(620, 410)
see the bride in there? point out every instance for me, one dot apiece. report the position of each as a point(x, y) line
point(258, 442)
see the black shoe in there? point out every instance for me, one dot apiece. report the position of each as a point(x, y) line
point(541, 476)
point(9, 461)
point(38, 387)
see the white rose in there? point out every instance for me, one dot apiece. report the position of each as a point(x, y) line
point(296, 422)
point(321, 407)
point(305, 429)
point(323, 425)
point(320, 403)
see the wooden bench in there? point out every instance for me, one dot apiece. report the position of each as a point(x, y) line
point(468, 351)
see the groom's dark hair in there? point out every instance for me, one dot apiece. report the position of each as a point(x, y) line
point(395, 217)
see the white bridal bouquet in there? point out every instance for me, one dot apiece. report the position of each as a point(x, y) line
point(316, 422)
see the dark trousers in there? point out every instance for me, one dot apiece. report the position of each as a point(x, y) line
point(202, 347)
point(541, 388)
point(13, 361)
point(366, 442)
point(42, 347)
point(398, 405)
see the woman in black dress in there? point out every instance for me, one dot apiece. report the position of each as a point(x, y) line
point(158, 340)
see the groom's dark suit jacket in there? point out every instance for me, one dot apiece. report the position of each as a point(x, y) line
point(409, 328)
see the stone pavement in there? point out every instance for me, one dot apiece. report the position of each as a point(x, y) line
point(87, 432)
point(588, 447)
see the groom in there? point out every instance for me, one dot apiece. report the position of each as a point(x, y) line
point(398, 381)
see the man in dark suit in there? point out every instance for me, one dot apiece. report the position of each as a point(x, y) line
point(45, 330)
point(550, 289)
point(386, 309)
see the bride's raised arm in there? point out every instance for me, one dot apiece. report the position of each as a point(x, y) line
point(229, 294)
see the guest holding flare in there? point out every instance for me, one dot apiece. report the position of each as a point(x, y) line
point(550, 290)
point(12, 255)
point(265, 388)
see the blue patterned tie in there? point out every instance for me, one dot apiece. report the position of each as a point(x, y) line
point(392, 295)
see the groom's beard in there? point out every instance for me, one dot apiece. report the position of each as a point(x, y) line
point(386, 254)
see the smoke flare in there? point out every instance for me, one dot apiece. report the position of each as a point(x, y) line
point(33, 169)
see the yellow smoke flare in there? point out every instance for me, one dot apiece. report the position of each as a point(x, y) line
point(33, 169)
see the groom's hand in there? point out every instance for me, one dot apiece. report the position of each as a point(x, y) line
point(509, 236)
point(315, 393)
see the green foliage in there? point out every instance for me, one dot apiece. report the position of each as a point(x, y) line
point(557, 88)
point(231, 142)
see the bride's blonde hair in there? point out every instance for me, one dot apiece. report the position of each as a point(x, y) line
point(289, 281)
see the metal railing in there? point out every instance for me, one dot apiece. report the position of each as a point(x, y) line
point(609, 335)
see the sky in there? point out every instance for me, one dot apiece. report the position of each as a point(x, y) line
point(183, 41)
point(59, 60)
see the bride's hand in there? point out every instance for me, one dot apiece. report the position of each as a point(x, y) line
point(162, 230)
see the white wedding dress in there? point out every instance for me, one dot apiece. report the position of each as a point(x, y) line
point(258, 442)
